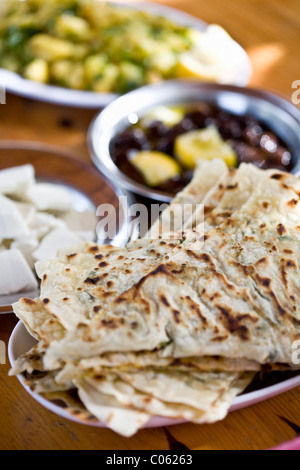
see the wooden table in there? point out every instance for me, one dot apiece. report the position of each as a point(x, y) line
point(270, 32)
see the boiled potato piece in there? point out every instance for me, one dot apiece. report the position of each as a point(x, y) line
point(131, 71)
point(131, 76)
point(68, 73)
point(156, 167)
point(106, 83)
point(94, 66)
point(164, 61)
point(11, 63)
point(37, 70)
point(72, 26)
point(206, 144)
point(46, 47)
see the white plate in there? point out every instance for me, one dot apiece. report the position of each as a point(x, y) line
point(14, 83)
point(21, 342)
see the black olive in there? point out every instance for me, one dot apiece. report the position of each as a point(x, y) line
point(156, 130)
point(253, 133)
point(132, 139)
point(198, 119)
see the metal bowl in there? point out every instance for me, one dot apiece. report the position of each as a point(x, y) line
point(278, 114)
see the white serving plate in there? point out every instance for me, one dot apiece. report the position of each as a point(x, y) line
point(21, 342)
point(15, 84)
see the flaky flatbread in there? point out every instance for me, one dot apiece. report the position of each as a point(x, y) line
point(133, 328)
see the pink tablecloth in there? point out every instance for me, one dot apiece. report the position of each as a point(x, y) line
point(292, 445)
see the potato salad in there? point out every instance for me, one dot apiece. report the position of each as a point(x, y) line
point(96, 46)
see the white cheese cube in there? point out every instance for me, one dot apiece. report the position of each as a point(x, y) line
point(80, 221)
point(27, 248)
point(49, 197)
point(15, 181)
point(43, 223)
point(15, 274)
point(12, 224)
point(53, 242)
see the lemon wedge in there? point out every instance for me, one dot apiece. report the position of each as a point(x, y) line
point(204, 144)
point(213, 57)
point(156, 167)
point(190, 65)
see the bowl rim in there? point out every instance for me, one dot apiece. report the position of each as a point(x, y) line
point(113, 173)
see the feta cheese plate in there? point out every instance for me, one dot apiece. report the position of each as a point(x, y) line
point(48, 200)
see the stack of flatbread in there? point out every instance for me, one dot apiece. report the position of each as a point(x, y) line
point(174, 326)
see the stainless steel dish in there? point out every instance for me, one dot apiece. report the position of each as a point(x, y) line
point(278, 114)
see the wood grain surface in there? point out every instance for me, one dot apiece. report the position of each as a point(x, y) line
point(270, 32)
